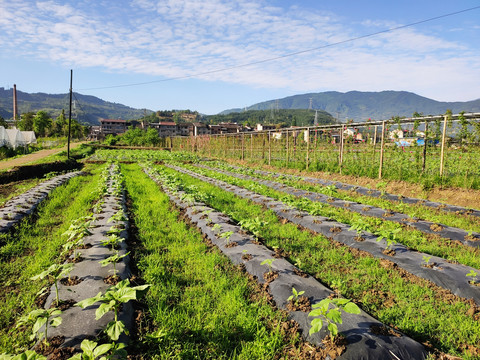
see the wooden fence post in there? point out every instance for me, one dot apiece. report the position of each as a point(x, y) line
point(424, 162)
point(251, 147)
point(288, 152)
point(442, 151)
point(269, 148)
point(340, 159)
point(243, 146)
point(382, 145)
point(308, 147)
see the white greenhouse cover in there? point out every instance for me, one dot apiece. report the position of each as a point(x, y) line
point(3, 136)
point(29, 137)
point(15, 138)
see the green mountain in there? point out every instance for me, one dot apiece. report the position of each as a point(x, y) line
point(285, 117)
point(361, 106)
point(87, 109)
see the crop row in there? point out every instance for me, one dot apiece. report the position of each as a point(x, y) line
point(395, 297)
point(283, 279)
point(392, 232)
point(81, 276)
point(376, 197)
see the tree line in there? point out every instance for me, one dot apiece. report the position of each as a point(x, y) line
point(43, 125)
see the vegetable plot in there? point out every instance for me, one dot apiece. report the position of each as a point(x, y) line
point(14, 210)
point(283, 278)
point(447, 322)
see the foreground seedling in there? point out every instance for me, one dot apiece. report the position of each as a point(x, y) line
point(114, 259)
point(295, 295)
point(39, 318)
point(92, 351)
point(55, 273)
point(332, 316)
point(111, 300)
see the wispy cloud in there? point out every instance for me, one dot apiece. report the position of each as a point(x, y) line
point(173, 38)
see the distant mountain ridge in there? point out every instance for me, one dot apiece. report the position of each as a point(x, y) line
point(361, 106)
point(88, 109)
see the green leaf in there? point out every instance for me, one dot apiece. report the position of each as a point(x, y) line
point(317, 325)
point(333, 329)
point(102, 349)
point(103, 309)
point(38, 324)
point(352, 308)
point(316, 312)
point(88, 346)
point(323, 305)
point(335, 315)
point(115, 329)
point(56, 321)
point(90, 301)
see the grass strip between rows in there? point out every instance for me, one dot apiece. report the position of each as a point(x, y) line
point(462, 221)
point(34, 247)
point(412, 305)
point(200, 304)
point(410, 237)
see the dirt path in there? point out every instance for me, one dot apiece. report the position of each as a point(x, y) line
point(34, 156)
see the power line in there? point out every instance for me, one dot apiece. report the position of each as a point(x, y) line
point(289, 54)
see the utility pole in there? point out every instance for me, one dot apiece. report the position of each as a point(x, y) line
point(69, 116)
point(15, 106)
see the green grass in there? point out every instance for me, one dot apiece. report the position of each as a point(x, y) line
point(16, 188)
point(199, 303)
point(415, 210)
point(33, 248)
point(410, 237)
point(414, 306)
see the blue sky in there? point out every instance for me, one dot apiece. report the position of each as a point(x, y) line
point(189, 54)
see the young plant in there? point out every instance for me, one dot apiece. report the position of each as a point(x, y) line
point(226, 235)
point(360, 225)
point(269, 263)
point(217, 227)
point(331, 315)
point(295, 295)
point(389, 235)
point(473, 275)
point(41, 317)
point(111, 300)
point(114, 259)
point(118, 216)
point(426, 260)
point(112, 241)
point(54, 273)
point(92, 351)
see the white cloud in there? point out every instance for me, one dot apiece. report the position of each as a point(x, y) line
point(173, 38)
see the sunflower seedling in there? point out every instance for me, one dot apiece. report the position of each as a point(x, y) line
point(226, 235)
point(473, 275)
point(426, 260)
point(111, 300)
point(269, 263)
point(55, 273)
point(92, 351)
point(112, 241)
point(114, 259)
point(217, 227)
point(295, 295)
point(39, 318)
point(332, 316)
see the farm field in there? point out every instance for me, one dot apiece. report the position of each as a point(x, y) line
point(221, 261)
